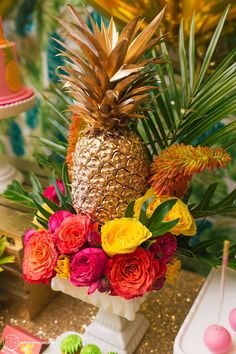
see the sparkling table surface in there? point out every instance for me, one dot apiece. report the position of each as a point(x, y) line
point(165, 310)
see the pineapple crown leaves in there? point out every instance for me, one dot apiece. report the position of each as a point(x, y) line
point(106, 78)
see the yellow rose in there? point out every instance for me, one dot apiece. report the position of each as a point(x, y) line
point(123, 235)
point(63, 267)
point(173, 269)
point(38, 213)
point(186, 225)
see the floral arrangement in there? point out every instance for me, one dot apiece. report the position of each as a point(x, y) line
point(119, 217)
point(127, 256)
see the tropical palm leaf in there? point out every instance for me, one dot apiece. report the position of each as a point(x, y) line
point(187, 106)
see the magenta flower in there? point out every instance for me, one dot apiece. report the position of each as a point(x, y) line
point(28, 234)
point(57, 218)
point(164, 247)
point(51, 194)
point(87, 268)
point(94, 239)
point(158, 283)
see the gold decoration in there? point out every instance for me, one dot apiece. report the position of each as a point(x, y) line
point(109, 86)
point(207, 14)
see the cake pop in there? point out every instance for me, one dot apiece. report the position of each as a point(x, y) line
point(232, 319)
point(217, 338)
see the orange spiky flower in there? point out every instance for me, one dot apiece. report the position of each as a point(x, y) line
point(174, 168)
point(76, 126)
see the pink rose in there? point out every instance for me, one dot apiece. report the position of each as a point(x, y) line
point(164, 247)
point(51, 194)
point(40, 258)
point(28, 234)
point(57, 218)
point(72, 233)
point(87, 268)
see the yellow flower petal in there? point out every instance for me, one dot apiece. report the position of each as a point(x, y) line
point(124, 235)
point(173, 269)
point(63, 267)
point(38, 213)
point(186, 225)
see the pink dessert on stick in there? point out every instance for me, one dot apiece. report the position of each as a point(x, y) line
point(216, 337)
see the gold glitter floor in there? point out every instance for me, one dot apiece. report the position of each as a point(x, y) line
point(165, 310)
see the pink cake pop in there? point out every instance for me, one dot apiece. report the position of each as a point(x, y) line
point(232, 319)
point(217, 338)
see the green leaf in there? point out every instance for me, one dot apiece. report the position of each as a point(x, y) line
point(183, 67)
point(160, 213)
point(18, 194)
point(58, 113)
point(41, 221)
point(147, 244)
point(62, 198)
point(2, 245)
point(211, 49)
point(54, 146)
point(206, 199)
point(7, 259)
point(37, 187)
point(66, 181)
point(51, 205)
point(61, 129)
point(44, 212)
point(164, 227)
point(192, 53)
point(143, 212)
point(129, 213)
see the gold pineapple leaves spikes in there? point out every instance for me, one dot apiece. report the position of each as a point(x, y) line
point(173, 168)
point(105, 78)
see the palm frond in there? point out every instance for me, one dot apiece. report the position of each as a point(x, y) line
point(188, 105)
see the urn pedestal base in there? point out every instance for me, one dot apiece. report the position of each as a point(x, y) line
point(114, 333)
point(117, 327)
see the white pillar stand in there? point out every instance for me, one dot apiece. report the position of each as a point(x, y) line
point(114, 333)
point(117, 327)
point(8, 174)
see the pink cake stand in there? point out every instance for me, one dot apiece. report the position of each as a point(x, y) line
point(22, 102)
point(11, 104)
point(16, 104)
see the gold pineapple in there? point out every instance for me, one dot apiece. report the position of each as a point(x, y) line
point(109, 83)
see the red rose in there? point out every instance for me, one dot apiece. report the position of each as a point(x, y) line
point(132, 274)
point(40, 257)
point(72, 233)
point(164, 247)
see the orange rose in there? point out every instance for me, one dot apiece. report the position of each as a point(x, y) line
point(72, 233)
point(133, 274)
point(40, 258)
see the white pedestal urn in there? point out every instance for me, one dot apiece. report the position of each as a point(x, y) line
point(117, 326)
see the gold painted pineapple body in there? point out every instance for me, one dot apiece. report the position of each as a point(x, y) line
point(109, 82)
point(109, 171)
